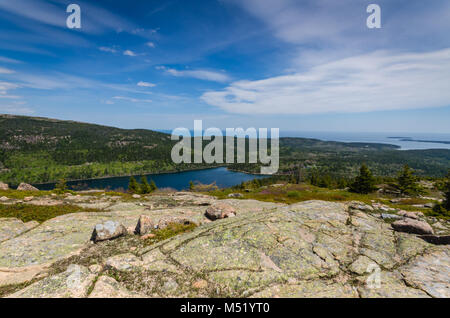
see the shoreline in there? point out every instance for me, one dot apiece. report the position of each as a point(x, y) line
point(137, 175)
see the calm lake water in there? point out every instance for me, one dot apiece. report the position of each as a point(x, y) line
point(180, 181)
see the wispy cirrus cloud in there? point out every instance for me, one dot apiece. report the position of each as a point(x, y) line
point(107, 49)
point(129, 53)
point(133, 100)
point(95, 19)
point(206, 75)
point(5, 71)
point(16, 108)
point(145, 84)
point(370, 82)
point(9, 60)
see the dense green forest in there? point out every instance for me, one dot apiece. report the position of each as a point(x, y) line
point(39, 150)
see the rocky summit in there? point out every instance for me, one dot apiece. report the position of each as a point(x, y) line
point(308, 249)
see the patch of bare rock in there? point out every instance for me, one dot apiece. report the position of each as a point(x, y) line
point(309, 249)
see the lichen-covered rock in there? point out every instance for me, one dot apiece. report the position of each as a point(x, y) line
point(309, 249)
point(411, 215)
point(412, 226)
point(73, 283)
point(360, 206)
point(430, 272)
point(26, 187)
point(11, 227)
point(123, 262)
point(144, 225)
point(4, 186)
point(220, 211)
point(108, 287)
point(108, 231)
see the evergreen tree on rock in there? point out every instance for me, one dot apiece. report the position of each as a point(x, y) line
point(133, 186)
point(407, 181)
point(364, 183)
point(145, 187)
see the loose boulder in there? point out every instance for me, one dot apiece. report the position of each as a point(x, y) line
point(220, 211)
point(108, 231)
point(26, 187)
point(235, 195)
point(3, 186)
point(411, 215)
point(144, 225)
point(412, 226)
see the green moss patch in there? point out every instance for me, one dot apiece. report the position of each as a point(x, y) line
point(28, 212)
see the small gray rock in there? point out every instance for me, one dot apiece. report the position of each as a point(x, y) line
point(235, 195)
point(385, 216)
point(108, 231)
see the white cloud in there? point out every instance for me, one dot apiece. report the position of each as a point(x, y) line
point(5, 87)
point(129, 53)
point(370, 82)
point(199, 74)
point(151, 44)
point(107, 49)
point(133, 100)
point(5, 71)
point(145, 84)
point(16, 108)
point(8, 60)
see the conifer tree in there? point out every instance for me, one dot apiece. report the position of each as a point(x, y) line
point(133, 186)
point(446, 202)
point(153, 186)
point(407, 181)
point(365, 182)
point(145, 187)
point(61, 186)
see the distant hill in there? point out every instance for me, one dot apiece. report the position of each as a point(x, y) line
point(38, 150)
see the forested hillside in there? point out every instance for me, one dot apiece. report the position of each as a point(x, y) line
point(38, 150)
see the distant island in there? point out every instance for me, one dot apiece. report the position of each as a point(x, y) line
point(420, 140)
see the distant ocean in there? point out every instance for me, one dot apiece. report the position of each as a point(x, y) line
point(406, 141)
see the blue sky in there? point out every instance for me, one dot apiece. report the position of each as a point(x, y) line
point(310, 65)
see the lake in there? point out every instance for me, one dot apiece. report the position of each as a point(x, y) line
point(223, 177)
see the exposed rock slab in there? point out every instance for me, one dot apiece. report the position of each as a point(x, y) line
point(108, 287)
point(73, 283)
point(309, 249)
point(409, 225)
point(12, 227)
